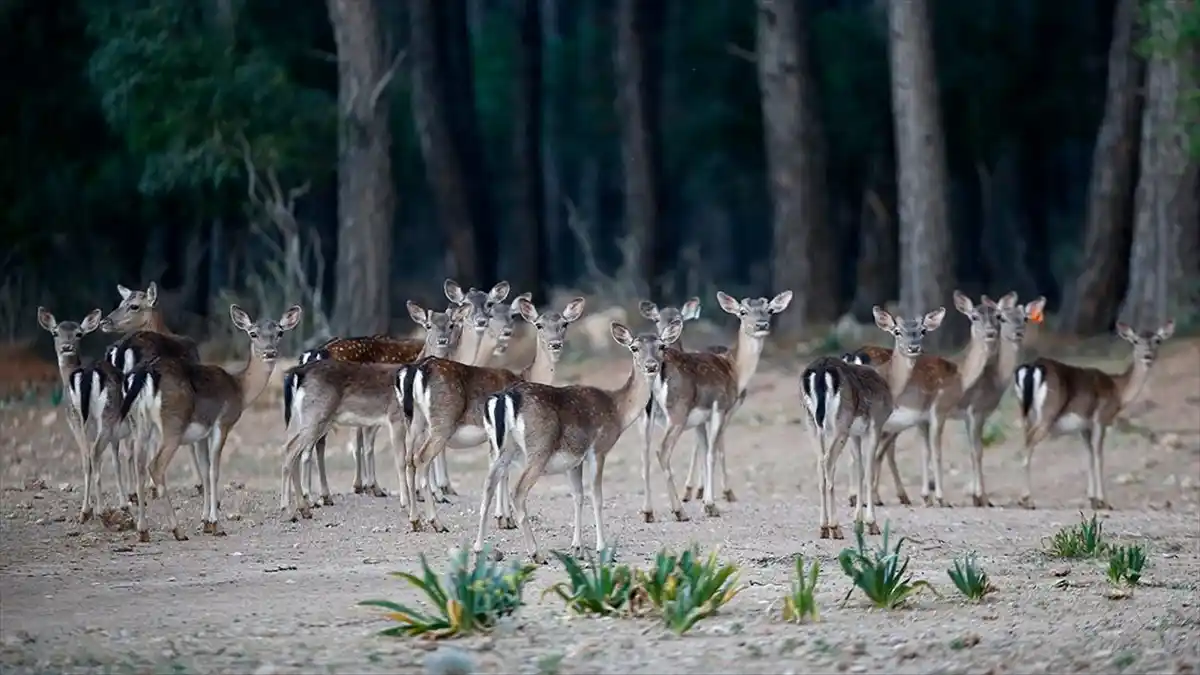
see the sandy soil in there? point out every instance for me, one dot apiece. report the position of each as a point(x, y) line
point(277, 597)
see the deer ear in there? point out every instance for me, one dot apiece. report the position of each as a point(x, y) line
point(514, 310)
point(290, 318)
point(1008, 300)
point(883, 319)
point(962, 303)
point(454, 292)
point(1034, 308)
point(690, 310)
point(499, 292)
point(92, 321)
point(527, 310)
point(934, 319)
point(1126, 332)
point(780, 302)
point(124, 292)
point(621, 334)
point(46, 320)
point(1166, 330)
point(671, 333)
point(240, 318)
point(728, 303)
point(648, 310)
point(151, 294)
point(417, 314)
point(573, 310)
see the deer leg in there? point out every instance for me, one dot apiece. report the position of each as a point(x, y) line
point(306, 460)
point(830, 470)
point(198, 465)
point(975, 435)
point(158, 470)
point(1097, 457)
point(356, 451)
point(290, 489)
point(901, 493)
point(1033, 435)
point(399, 432)
point(646, 425)
point(867, 474)
point(694, 464)
point(597, 497)
point(501, 499)
point(926, 462)
point(714, 430)
point(857, 477)
point(435, 444)
point(670, 438)
point(533, 471)
point(499, 466)
point(852, 483)
point(322, 475)
point(937, 427)
point(369, 437)
point(216, 445)
point(575, 481)
point(85, 458)
point(409, 479)
point(114, 445)
point(443, 475)
point(204, 447)
point(822, 480)
point(141, 474)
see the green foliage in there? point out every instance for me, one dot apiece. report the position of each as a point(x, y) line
point(969, 578)
point(1171, 29)
point(879, 574)
point(801, 603)
point(993, 433)
point(1085, 540)
point(1125, 564)
point(686, 589)
point(183, 95)
point(471, 599)
point(606, 588)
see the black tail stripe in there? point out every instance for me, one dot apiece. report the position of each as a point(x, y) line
point(289, 383)
point(136, 381)
point(406, 390)
point(499, 419)
point(81, 380)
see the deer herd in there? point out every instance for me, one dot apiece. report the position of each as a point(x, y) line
point(151, 394)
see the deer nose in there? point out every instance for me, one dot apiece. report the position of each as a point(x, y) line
point(442, 342)
point(914, 350)
point(555, 346)
point(651, 368)
point(762, 325)
point(481, 323)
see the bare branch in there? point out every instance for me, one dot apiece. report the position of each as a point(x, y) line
point(383, 82)
point(251, 172)
point(741, 52)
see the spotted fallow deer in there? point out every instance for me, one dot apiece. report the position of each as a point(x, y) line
point(474, 344)
point(146, 337)
point(445, 402)
point(702, 389)
point(188, 402)
point(67, 335)
point(933, 391)
point(1057, 398)
point(324, 392)
point(844, 401)
point(562, 429)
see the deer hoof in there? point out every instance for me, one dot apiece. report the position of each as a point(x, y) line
point(681, 516)
point(199, 490)
point(700, 493)
point(1100, 504)
point(85, 515)
point(928, 499)
point(904, 500)
point(853, 502)
point(449, 490)
point(358, 489)
point(944, 504)
point(133, 498)
point(873, 528)
point(327, 500)
point(306, 512)
point(441, 499)
point(416, 525)
point(824, 532)
point(315, 503)
point(179, 535)
point(687, 494)
point(506, 523)
point(153, 492)
point(835, 532)
point(538, 558)
point(144, 536)
point(712, 511)
point(206, 527)
point(648, 516)
point(878, 501)
point(377, 491)
point(436, 526)
point(729, 496)
point(217, 531)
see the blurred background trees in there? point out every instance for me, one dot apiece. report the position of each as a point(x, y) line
point(348, 155)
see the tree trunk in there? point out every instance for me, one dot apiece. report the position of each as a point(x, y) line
point(802, 255)
point(875, 267)
point(1091, 304)
point(366, 196)
point(638, 64)
point(1165, 255)
point(552, 193)
point(528, 217)
point(443, 164)
point(926, 252)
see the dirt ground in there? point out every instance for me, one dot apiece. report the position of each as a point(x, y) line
point(276, 597)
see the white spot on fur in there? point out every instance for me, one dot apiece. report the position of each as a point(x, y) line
point(833, 403)
point(1040, 390)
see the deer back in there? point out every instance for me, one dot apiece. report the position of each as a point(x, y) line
point(572, 418)
point(1075, 390)
point(374, 349)
point(144, 346)
point(197, 393)
point(457, 391)
point(697, 381)
point(349, 392)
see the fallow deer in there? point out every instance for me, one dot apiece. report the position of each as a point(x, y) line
point(324, 392)
point(145, 338)
point(935, 386)
point(560, 429)
point(67, 335)
point(1057, 398)
point(845, 401)
point(188, 402)
point(702, 389)
point(445, 401)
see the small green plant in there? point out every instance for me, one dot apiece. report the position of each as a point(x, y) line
point(606, 588)
point(472, 598)
point(969, 578)
point(1125, 565)
point(686, 588)
point(1085, 540)
point(993, 434)
point(880, 574)
point(801, 603)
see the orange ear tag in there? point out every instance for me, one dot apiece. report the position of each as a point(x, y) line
point(1036, 316)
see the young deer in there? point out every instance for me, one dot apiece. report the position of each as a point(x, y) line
point(401, 351)
point(445, 401)
point(146, 337)
point(701, 390)
point(1057, 398)
point(67, 335)
point(324, 392)
point(560, 429)
point(195, 403)
point(503, 324)
point(934, 388)
point(845, 401)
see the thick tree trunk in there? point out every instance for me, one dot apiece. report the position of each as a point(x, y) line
point(532, 243)
point(638, 64)
point(926, 253)
point(366, 196)
point(802, 255)
point(552, 193)
point(1093, 300)
point(443, 164)
point(1163, 264)
point(875, 267)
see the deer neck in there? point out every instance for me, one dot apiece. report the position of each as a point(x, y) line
point(541, 371)
point(67, 363)
point(253, 378)
point(467, 351)
point(155, 324)
point(899, 371)
point(1008, 357)
point(745, 356)
point(1131, 382)
point(974, 362)
point(631, 398)
point(487, 345)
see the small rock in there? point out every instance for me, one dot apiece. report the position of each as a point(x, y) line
point(266, 669)
point(234, 516)
point(371, 561)
point(49, 418)
point(1060, 571)
point(1170, 440)
point(858, 668)
point(35, 484)
point(66, 487)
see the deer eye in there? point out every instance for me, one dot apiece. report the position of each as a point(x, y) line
point(633, 348)
point(254, 334)
point(538, 325)
point(742, 312)
point(134, 308)
point(896, 332)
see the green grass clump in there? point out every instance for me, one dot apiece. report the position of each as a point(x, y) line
point(800, 602)
point(471, 598)
point(606, 588)
point(880, 574)
point(1125, 564)
point(1085, 540)
point(969, 578)
point(686, 588)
